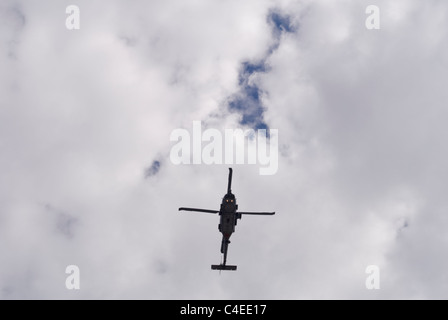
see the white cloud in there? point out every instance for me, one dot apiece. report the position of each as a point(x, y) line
point(361, 174)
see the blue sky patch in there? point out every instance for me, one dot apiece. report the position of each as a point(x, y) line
point(153, 169)
point(247, 101)
point(281, 23)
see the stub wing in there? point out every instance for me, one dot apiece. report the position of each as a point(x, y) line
point(198, 210)
point(257, 213)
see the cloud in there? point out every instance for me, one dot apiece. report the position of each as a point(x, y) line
point(13, 22)
point(248, 100)
point(85, 120)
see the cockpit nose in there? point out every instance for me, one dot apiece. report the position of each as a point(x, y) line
point(229, 205)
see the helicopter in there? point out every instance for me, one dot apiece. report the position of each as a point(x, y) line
point(229, 216)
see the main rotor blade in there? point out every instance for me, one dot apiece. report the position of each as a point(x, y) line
point(198, 210)
point(258, 213)
point(229, 184)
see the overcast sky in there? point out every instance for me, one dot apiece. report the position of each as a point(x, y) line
point(86, 177)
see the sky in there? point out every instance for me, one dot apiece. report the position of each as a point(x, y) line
point(86, 176)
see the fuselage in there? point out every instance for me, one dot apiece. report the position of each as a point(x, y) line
point(228, 215)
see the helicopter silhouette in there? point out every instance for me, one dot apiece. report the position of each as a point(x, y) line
point(229, 215)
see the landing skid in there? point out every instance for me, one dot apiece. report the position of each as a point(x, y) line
point(223, 267)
